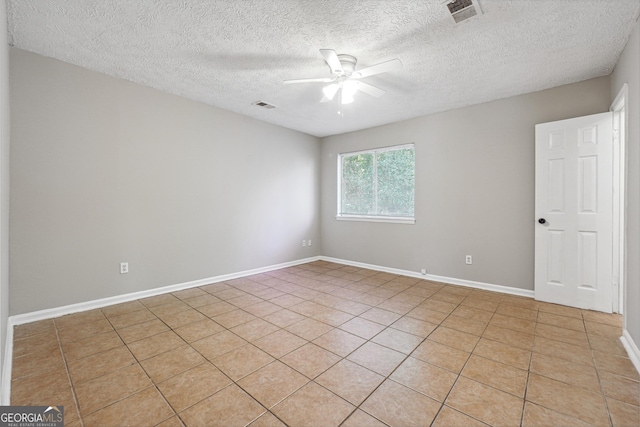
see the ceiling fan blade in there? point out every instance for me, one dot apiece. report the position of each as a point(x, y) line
point(332, 59)
point(382, 67)
point(370, 90)
point(320, 80)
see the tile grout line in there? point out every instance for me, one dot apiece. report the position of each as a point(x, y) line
point(526, 388)
point(598, 375)
point(388, 377)
point(153, 383)
point(461, 369)
point(595, 368)
point(119, 369)
point(66, 367)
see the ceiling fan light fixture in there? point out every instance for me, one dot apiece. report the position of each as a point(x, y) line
point(346, 79)
point(330, 90)
point(347, 98)
point(351, 87)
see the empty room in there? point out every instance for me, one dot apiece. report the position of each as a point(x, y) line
point(320, 213)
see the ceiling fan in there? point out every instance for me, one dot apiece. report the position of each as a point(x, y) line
point(346, 79)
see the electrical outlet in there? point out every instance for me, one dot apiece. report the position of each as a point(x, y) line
point(124, 267)
point(468, 259)
point(309, 243)
point(304, 243)
point(423, 271)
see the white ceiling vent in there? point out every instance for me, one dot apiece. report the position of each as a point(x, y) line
point(461, 10)
point(263, 104)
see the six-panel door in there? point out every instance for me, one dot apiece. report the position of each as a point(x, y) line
point(574, 180)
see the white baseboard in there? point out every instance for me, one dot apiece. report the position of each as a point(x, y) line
point(449, 280)
point(632, 349)
point(50, 313)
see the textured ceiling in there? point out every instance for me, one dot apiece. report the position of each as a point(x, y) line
point(230, 53)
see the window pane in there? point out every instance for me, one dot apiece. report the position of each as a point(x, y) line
point(357, 184)
point(396, 182)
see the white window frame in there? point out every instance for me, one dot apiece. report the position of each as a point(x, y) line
point(373, 218)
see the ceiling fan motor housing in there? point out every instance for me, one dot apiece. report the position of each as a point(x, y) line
point(348, 63)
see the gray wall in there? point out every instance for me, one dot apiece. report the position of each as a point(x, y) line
point(474, 187)
point(104, 170)
point(628, 71)
point(4, 181)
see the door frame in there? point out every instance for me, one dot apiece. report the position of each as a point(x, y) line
point(620, 111)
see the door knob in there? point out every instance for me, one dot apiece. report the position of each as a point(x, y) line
point(542, 221)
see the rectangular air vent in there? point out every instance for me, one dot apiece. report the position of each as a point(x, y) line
point(263, 104)
point(461, 10)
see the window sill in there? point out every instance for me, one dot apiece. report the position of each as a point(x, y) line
point(391, 219)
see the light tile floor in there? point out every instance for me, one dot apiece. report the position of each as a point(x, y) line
point(323, 344)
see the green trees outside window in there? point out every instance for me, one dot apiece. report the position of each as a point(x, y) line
point(378, 182)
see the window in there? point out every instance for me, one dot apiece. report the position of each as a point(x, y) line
point(377, 185)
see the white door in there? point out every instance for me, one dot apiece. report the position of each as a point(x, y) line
point(574, 212)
